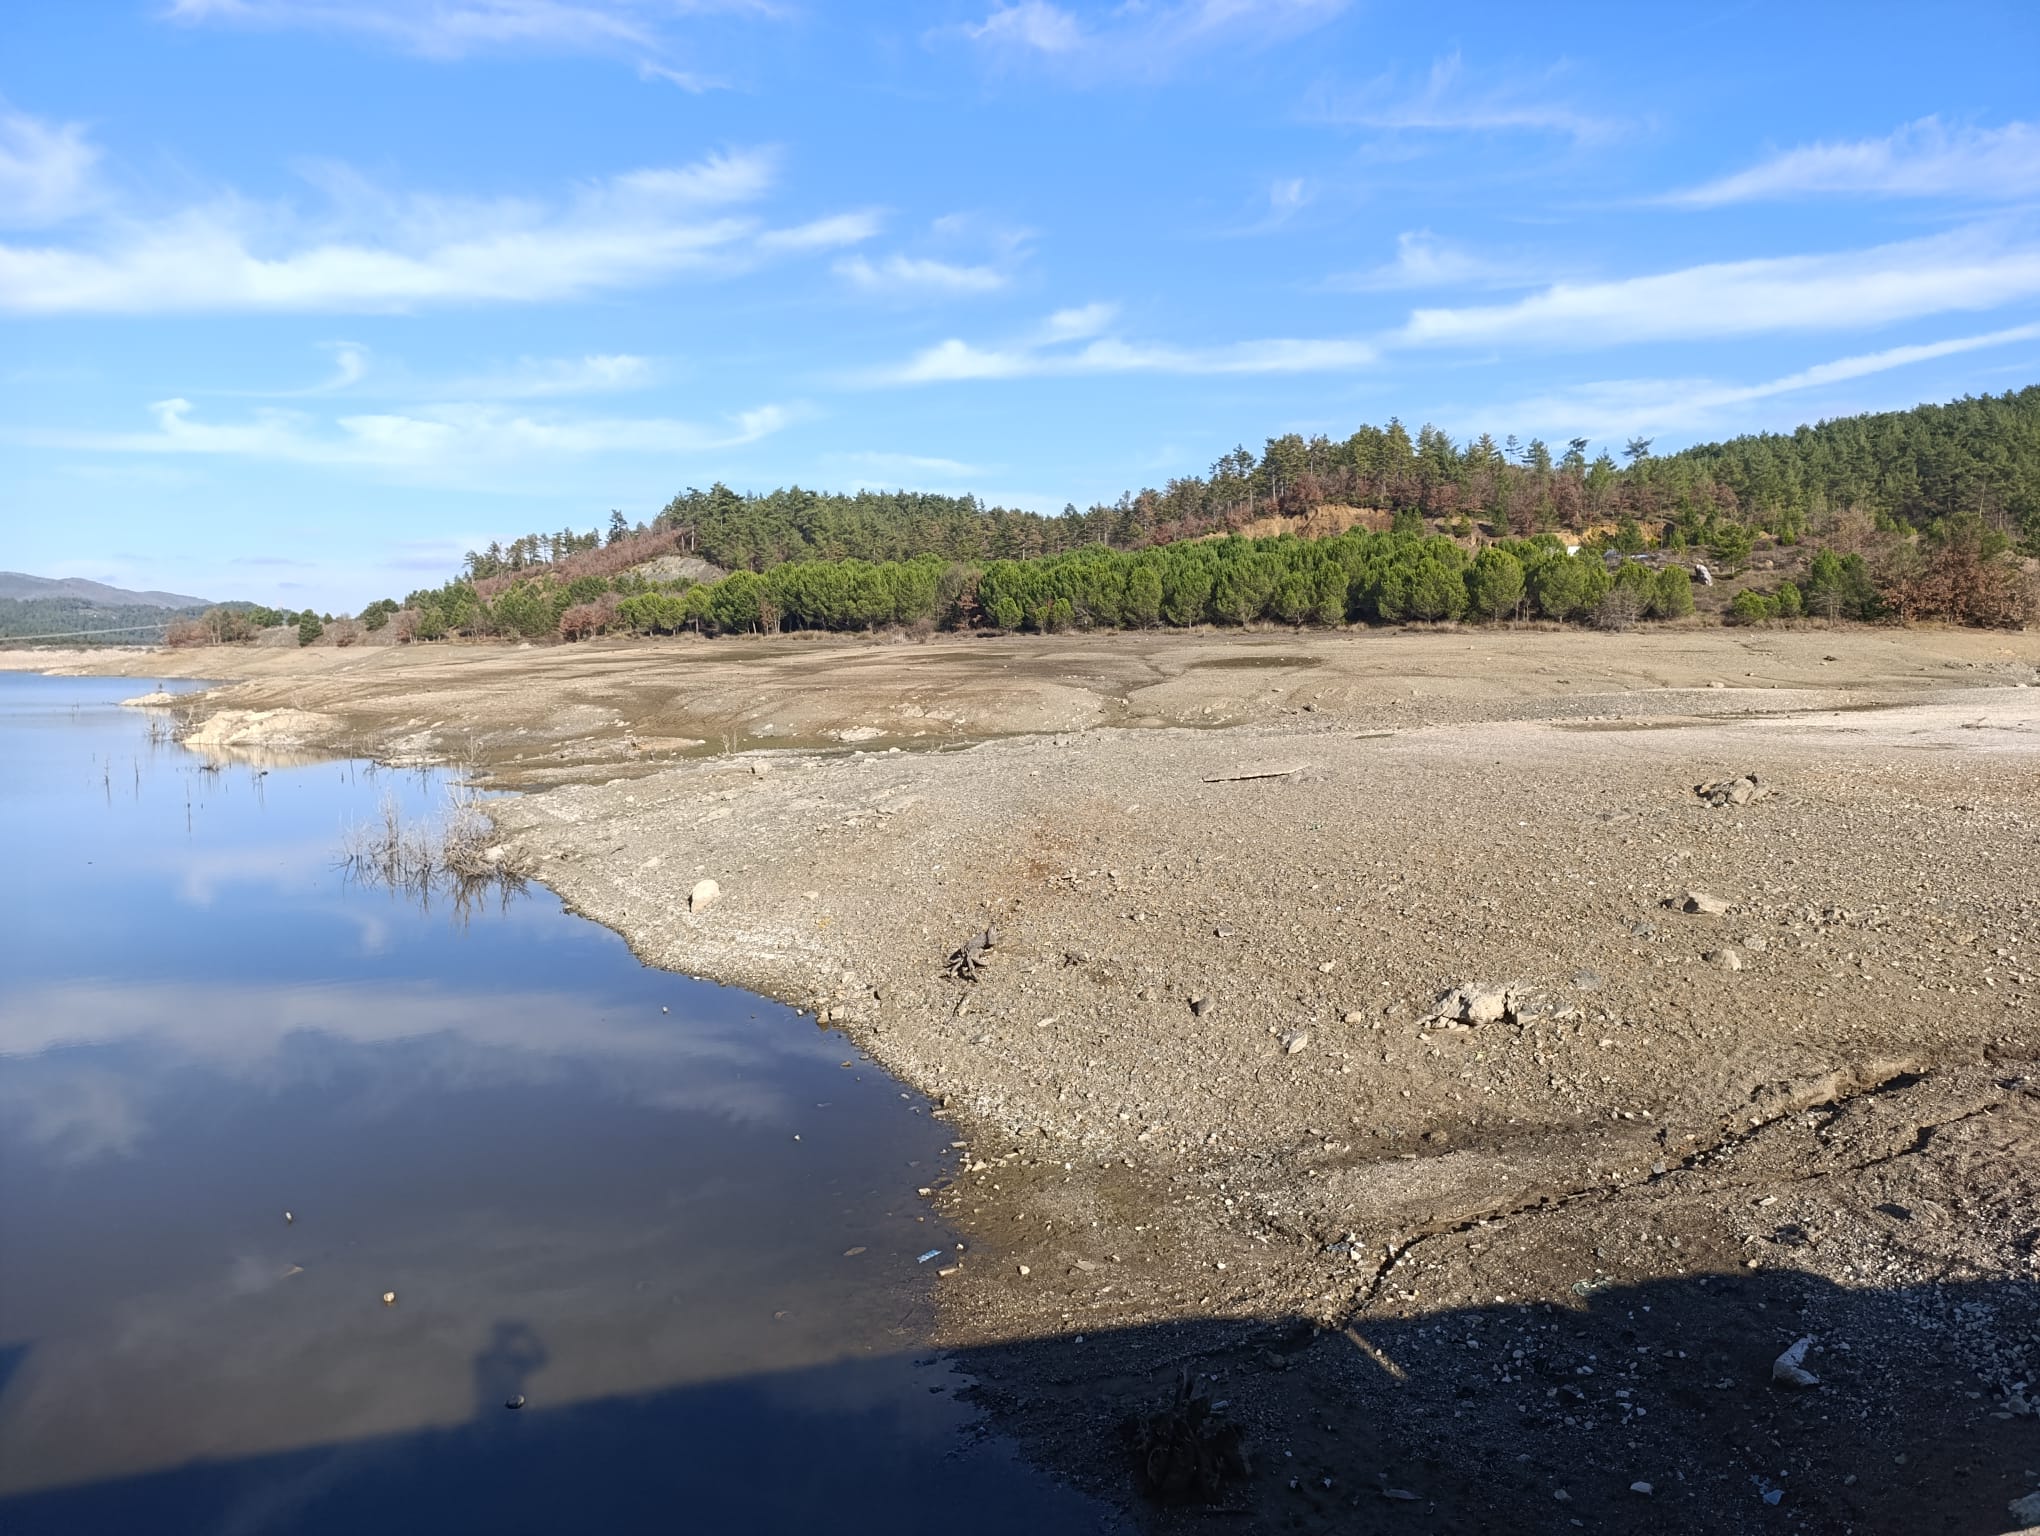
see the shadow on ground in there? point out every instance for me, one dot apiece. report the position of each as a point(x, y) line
point(1518, 1418)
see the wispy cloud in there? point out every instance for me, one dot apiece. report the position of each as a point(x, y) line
point(1970, 269)
point(453, 29)
point(370, 250)
point(1137, 40)
point(911, 276)
point(532, 378)
point(45, 171)
point(1073, 342)
point(1925, 159)
point(1451, 101)
point(1616, 407)
point(430, 442)
point(1422, 260)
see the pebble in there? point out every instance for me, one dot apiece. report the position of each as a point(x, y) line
point(1292, 1043)
point(1641, 1487)
point(514, 1402)
point(389, 1298)
point(705, 894)
point(1703, 904)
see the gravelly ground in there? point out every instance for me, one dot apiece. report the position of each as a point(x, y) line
point(1508, 1271)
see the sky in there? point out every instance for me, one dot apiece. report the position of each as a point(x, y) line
point(301, 299)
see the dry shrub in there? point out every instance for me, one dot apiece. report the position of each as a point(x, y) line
point(185, 632)
point(609, 560)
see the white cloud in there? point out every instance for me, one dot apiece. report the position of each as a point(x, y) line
point(1923, 159)
point(430, 441)
point(376, 251)
point(909, 275)
point(1051, 351)
point(1853, 290)
point(1139, 39)
point(451, 29)
point(542, 377)
point(1617, 407)
point(45, 171)
point(1422, 260)
point(1448, 102)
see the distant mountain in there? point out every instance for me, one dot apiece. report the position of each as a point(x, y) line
point(75, 589)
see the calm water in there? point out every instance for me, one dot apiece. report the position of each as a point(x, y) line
point(578, 1198)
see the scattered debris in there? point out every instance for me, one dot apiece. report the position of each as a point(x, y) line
point(1789, 1369)
point(851, 1253)
point(1398, 1493)
point(932, 1253)
point(965, 963)
point(1182, 1452)
point(1741, 790)
point(706, 893)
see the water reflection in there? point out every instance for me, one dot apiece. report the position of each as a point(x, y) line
point(609, 1210)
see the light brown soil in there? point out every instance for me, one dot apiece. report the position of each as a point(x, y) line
point(1483, 1267)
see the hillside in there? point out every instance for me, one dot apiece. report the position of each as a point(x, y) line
point(76, 589)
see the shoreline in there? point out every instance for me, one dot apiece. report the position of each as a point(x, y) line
point(1246, 1183)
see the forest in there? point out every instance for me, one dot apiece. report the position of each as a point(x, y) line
point(1899, 515)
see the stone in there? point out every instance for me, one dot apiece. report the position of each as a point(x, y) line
point(1744, 789)
point(2026, 1511)
point(759, 768)
point(1294, 1042)
point(1789, 1369)
point(1727, 959)
point(1703, 905)
point(706, 893)
point(1200, 1006)
point(1353, 1016)
point(1641, 1487)
point(1489, 1007)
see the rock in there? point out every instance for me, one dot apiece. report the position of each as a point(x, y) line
point(1704, 576)
point(1642, 1487)
point(1353, 1016)
point(1294, 1042)
point(1587, 981)
point(1789, 1369)
point(2026, 1511)
point(495, 854)
point(706, 893)
point(759, 768)
point(389, 1298)
point(1200, 1006)
point(1741, 790)
point(1702, 904)
point(1486, 1008)
point(1727, 959)
point(1756, 944)
point(514, 1403)
point(1398, 1493)
point(1470, 1006)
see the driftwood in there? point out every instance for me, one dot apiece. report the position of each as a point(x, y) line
point(965, 963)
point(1254, 773)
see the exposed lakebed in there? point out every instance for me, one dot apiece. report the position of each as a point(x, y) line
point(634, 1222)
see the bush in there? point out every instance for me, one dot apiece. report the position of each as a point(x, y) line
point(1494, 584)
point(1785, 602)
point(1673, 594)
point(1750, 607)
point(309, 628)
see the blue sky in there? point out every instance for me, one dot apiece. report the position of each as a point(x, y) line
point(301, 298)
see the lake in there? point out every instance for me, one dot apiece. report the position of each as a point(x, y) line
point(244, 1096)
